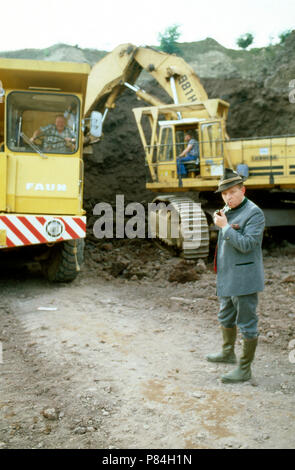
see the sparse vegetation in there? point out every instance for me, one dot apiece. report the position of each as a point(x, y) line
point(283, 36)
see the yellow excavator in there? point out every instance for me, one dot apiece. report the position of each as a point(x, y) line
point(268, 163)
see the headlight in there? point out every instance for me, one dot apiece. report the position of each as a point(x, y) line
point(54, 228)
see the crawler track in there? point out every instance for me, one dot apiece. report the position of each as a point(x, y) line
point(188, 232)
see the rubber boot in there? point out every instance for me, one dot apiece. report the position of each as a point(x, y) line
point(243, 372)
point(227, 354)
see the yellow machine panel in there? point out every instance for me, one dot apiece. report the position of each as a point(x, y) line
point(26, 74)
point(48, 186)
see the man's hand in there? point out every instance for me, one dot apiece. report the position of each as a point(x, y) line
point(70, 142)
point(220, 219)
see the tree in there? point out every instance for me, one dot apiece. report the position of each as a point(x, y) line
point(168, 39)
point(283, 36)
point(245, 40)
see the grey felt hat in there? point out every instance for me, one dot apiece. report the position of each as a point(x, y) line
point(230, 178)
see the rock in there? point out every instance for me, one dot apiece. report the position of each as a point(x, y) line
point(135, 274)
point(118, 267)
point(97, 258)
point(80, 430)
point(50, 413)
point(201, 435)
point(263, 338)
point(183, 272)
point(290, 278)
point(182, 300)
point(107, 246)
point(201, 266)
point(198, 395)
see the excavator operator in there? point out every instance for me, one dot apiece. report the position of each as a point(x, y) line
point(190, 153)
point(57, 137)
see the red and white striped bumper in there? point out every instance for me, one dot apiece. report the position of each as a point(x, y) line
point(22, 230)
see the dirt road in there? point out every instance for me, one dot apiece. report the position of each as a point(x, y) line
point(110, 362)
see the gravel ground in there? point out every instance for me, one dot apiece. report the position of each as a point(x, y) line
point(116, 359)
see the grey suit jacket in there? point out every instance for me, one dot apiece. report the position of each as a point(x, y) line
point(239, 254)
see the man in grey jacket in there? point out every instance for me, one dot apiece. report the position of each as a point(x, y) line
point(239, 274)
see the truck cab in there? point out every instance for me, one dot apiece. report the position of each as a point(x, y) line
point(42, 174)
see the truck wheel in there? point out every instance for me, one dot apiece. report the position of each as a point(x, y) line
point(64, 261)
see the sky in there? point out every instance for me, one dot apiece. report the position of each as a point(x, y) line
point(103, 25)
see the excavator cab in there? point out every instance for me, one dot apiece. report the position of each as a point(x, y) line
point(192, 166)
point(171, 143)
point(164, 141)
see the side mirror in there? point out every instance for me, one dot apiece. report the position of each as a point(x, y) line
point(96, 124)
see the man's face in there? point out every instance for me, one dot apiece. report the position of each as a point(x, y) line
point(233, 196)
point(60, 123)
point(187, 137)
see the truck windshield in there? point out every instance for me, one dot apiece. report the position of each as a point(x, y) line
point(49, 120)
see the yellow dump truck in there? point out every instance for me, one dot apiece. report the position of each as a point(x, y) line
point(41, 165)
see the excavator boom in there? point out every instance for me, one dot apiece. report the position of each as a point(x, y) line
point(173, 74)
point(107, 77)
point(121, 68)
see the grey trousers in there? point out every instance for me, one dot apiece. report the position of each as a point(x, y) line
point(240, 311)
